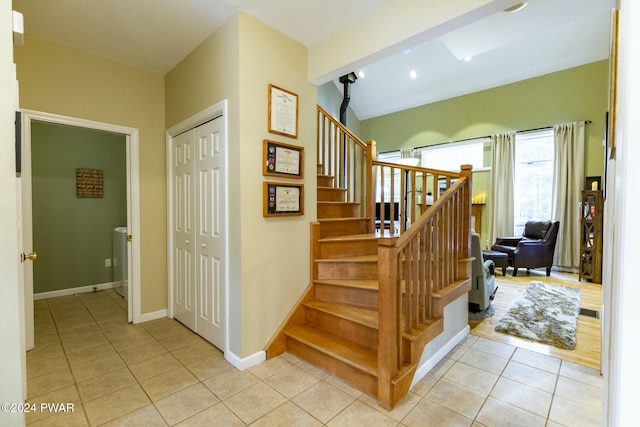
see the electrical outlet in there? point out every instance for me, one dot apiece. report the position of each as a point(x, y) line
point(107, 262)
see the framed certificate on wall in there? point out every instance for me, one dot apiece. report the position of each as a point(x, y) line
point(283, 111)
point(283, 199)
point(279, 159)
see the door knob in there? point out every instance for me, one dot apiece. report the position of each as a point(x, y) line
point(32, 256)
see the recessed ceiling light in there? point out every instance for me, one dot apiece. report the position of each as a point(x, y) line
point(413, 74)
point(516, 7)
point(361, 74)
point(406, 51)
point(468, 58)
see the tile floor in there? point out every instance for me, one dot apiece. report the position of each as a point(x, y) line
point(159, 373)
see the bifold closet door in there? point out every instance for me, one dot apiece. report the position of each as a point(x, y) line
point(198, 174)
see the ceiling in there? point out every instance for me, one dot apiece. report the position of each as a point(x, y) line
point(155, 35)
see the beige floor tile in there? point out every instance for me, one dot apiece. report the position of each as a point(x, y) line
point(216, 415)
point(132, 341)
point(457, 352)
point(197, 351)
point(425, 384)
point(359, 414)
point(263, 400)
point(537, 360)
point(63, 325)
point(492, 347)
point(428, 413)
point(579, 392)
point(530, 376)
point(209, 367)
point(343, 386)
point(185, 403)
point(485, 361)
point(104, 384)
point(155, 366)
point(269, 367)
point(43, 340)
point(49, 328)
point(456, 397)
point(581, 373)
point(80, 331)
point(116, 404)
point(68, 394)
point(313, 369)
point(471, 377)
point(291, 381)
point(84, 342)
point(93, 368)
point(70, 313)
point(115, 313)
point(116, 330)
point(170, 382)
point(88, 354)
point(323, 401)
point(230, 382)
point(147, 416)
point(495, 413)
point(442, 367)
point(142, 353)
point(44, 366)
point(49, 382)
point(522, 396)
point(287, 415)
point(181, 339)
point(569, 413)
point(44, 352)
point(75, 418)
point(401, 409)
point(165, 327)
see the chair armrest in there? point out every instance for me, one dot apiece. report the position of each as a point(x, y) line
point(508, 241)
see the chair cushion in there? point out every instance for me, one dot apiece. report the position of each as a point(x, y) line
point(536, 229)
point(504, 248)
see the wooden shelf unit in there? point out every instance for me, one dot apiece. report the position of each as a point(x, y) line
point(591, 236)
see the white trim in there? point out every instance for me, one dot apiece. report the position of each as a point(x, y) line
point(160, 314)
point(133, 189)
point(210, 113)
point(247, 362)
point(73, 291)
point(431, 362)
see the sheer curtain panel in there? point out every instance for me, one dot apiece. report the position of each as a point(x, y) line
point(501, 220)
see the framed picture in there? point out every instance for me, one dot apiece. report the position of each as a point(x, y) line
point(593, 183)
point(283, 112)
point(282, 199)
point(279, 159)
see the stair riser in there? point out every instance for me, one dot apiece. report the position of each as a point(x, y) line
point(325, 181)
point(354, 376)
point(348, 270)
point(331, 195)
point(339, 210)
point(346, 295)
point(342, 327)
point(341, 228)
point(344, 248)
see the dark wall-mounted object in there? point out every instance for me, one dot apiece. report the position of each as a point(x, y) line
point(18, 123)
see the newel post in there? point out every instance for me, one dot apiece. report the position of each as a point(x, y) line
point(371, 184)
point(389, 321)
point(464, 243)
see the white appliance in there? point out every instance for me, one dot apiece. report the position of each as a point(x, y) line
point(119, 262)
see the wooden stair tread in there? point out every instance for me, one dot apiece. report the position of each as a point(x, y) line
point(362, 258)
point(347, 351)
point(357, 314)
point(351, 283)
point(350, 237)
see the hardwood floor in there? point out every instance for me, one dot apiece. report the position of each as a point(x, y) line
point(588, 334)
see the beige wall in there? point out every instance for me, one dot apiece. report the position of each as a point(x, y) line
point(61, 80)
point(269, 257)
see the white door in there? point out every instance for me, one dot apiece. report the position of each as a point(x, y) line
point(183, 239)
point(209, 233)
point(198, 232)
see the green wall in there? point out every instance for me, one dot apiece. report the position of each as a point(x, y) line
point(73, 236)
point(575, 94)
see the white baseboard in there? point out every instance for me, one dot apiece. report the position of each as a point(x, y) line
point(146, 317)
point(247, 362)
point(73, 291)
point(439, 355)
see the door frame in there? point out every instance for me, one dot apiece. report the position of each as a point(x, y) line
point(210, 113)
point(133, 203)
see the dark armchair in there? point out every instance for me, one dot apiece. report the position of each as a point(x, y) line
point(534, 249)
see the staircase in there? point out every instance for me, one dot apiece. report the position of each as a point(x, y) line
point(376, 298)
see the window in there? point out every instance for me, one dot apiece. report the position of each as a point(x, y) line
point(389, 157)
point(533, 189)
point(451, 155)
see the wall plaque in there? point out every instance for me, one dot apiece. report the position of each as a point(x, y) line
point(89, 183)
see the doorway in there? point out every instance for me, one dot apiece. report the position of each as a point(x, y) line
point(29, 118)
point(197, 224)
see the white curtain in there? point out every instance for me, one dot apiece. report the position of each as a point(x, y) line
point(568, 181)
point(501, 210)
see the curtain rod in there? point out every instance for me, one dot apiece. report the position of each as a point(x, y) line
point(586, 122)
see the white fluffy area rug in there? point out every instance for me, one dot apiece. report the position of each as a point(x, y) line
point(546, 313)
